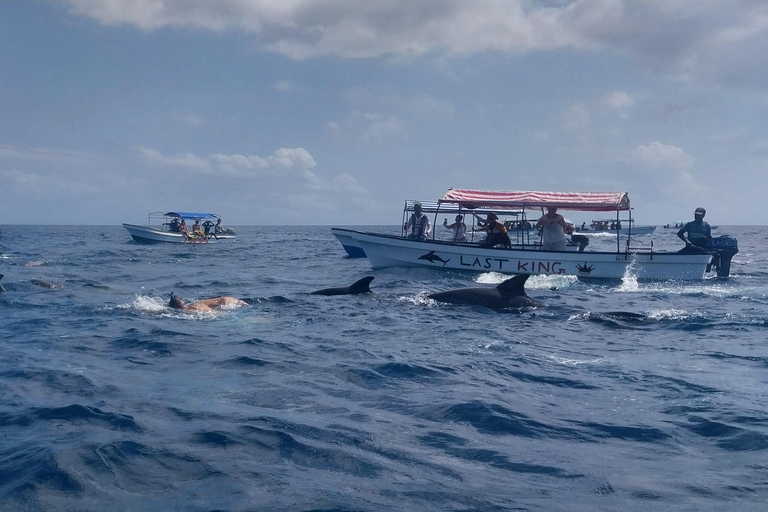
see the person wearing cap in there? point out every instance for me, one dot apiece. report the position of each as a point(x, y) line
point(459, 229)
point(419, 224)
point(553, 227)
point(698, 231)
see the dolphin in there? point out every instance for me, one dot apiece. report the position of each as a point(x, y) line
point(44, 283)
point(509, 294)
point(432, 257)
point(360, 286)
point(1, 285)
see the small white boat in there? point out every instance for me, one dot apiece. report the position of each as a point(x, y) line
point(165, 227)
point(624, 227)
point(681, 224)
point(387, 250)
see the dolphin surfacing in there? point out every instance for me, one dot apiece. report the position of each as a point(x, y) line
point(45, 284)
point(360, 286)
point(509, 294)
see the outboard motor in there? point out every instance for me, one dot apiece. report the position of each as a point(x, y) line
point(582, 240)
point(723, 248)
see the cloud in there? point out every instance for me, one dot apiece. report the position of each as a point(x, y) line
point(235, 165)
point(665, 167)
point(369, 127)
point(576, 120)
point(190, 119)
point(284, 86)
point(620, 102)
point(660, 156)
point(722, 41)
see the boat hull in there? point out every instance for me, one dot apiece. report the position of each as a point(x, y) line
point(347, 242)
point(388, 251)
point(146, 234)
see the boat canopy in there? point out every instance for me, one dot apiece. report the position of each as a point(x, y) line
point(579, 201)
point(191, 215)
point(438, 207)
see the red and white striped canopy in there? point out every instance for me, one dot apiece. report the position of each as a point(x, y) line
point(581, 201)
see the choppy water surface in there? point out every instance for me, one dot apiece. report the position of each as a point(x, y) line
point(389, 401)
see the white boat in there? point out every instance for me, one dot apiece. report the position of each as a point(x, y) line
point(680, 224)
point(515, 220)
point(624, 227)
point(387, 250)
point(164, 227)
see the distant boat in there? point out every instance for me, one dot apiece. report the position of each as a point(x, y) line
point(681, 224)
point(613, 226)
point(165, 227)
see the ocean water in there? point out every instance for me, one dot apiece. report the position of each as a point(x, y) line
point(377, 402)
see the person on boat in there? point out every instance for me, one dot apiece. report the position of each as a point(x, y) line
point(183, 229)
point(459, 229)
point(553, 227)
point(419, 223)
point(205, 305)
point(698, 231)
point(219, 228)
point(207, 225)
point(173, 226)
point(497, 233)
point(197, 230)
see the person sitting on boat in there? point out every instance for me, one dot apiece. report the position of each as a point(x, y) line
point(219, 227)
point(459, 229)
point(173, 226)
point(497, 233)
point(183, 229)
point(552, 226)
point(205, 305)
point(698, 231)
point(197, 230)
point(419, 224)
point(207, 225)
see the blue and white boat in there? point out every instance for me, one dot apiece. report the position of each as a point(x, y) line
point(164, 227)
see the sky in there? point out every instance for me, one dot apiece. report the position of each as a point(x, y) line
point(334, 112)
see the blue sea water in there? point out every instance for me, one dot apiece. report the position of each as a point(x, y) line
point(378, 402)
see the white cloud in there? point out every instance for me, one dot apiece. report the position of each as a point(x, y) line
point(662, 156)
point(725, 41)
point(285, 158)
point(620, 102)
point(190, 119)
point(576, 120)
point(370, 127)
point(187, 160)
point(665, 167)
point(284, 86)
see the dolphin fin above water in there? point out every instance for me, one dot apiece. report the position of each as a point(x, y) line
point(509, 294)
point(361, 286)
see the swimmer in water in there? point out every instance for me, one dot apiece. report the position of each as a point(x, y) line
point(205, 305)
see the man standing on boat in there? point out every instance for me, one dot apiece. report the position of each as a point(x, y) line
point(419, 224)
point(698, 230)
point(553, 227)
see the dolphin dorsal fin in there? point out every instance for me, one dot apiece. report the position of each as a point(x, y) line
point(514, 285)
point(361, 286)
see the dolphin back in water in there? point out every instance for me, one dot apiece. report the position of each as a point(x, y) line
point(509, 294)
point(360, 286)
